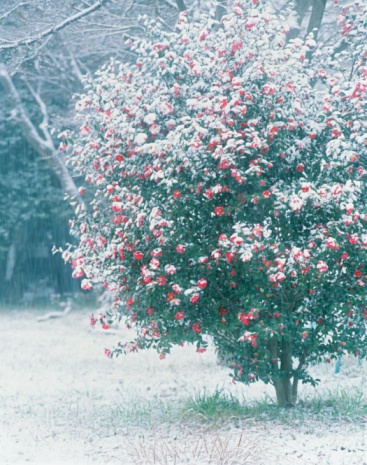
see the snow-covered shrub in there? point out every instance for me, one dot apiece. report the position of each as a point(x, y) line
point(227, 174)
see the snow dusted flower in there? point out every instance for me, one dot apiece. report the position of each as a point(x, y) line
point(332, 244)
point(280, 276)
point(296, 203)
point(170, 269)
point(141, 138)
point(202, 283)
point(154, 264)
point(322, 266)
point(86, 285)
point(177, 288)
point(150, 118)
point(246, 256)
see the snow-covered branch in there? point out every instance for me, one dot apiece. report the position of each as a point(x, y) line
point(44, 146)
point(55, 28)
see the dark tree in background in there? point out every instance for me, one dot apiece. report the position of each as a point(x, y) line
point(46, 48)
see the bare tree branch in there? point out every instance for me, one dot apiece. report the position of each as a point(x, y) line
point(55, 28)
point(45, 147)
point(9, 12)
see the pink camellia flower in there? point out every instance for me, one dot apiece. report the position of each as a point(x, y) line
point(154, 264)
point(107, 353)
point(196, 327)
point(81, 190)
point(138, 255)
point(180, 248)
point(219, 211)
point(177, 288)
point(344, 256)
point(179, 316)
point(176, 194)
point(92, 320)
point(170, 269)
point(105, 326)
point(353, 239)
point(201, 350)
point(194, 298)
point(202, 283)
point(322, 266)
point(161, 280)
point(257, 230)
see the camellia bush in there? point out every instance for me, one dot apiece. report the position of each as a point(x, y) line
point(225, 175)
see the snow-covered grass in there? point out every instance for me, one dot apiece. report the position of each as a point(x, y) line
point(63, 402)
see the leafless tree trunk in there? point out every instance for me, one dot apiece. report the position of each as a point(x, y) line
point(318, 10)
point(43, 145)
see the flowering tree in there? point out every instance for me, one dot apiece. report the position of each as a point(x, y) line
point(225, 175)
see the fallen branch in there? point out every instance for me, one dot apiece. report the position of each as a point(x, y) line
point(53, 315)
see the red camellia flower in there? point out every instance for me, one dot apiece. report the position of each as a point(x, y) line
point(161, 280)
point(138, 255)
point(219, 211)
point(179, 316)
point(180, 248)
point(194, 298)
point(196, 327)
point(176, 194)
point(244, 318)
point(300, 167)
point(202, 283)
point(107, 353)
point(358, 274)
point(201, 350)
point(105, 326)
point(344, 255)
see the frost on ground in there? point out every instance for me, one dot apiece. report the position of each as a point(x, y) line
point(63, 402)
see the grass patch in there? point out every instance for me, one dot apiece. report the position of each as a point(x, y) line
point(221, 407)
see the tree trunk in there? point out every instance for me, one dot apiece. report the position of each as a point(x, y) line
point(286, 393)
point(318, 10)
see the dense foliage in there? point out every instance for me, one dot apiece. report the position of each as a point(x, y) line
point(226, 170)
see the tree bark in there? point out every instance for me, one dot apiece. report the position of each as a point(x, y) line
point(220, 10)
point(181, 5)
point(318, 10)
point(43, 145)
point(282, 376)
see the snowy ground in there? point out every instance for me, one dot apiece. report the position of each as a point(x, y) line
point(62, 402)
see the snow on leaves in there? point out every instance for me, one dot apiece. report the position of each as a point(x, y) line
point(228, 190)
